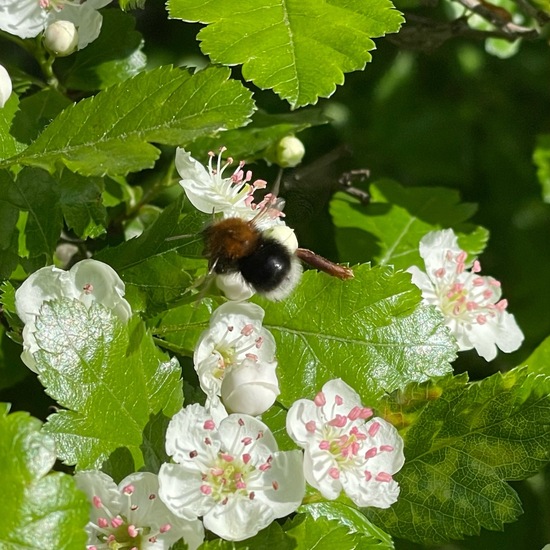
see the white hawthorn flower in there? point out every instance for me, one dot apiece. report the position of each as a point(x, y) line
point(344, 451)
point(5, 86)
point(237, 351)
point(233, 196)
point(28, 18)
point(87, 281)
point(470, 303)
point(131, 515)
point(232, 475)
point(61, 38)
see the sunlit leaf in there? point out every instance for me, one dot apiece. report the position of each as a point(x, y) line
point(299, 48)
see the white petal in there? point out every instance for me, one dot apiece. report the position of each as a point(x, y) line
point(510, 336)
point(317, 464)
point(108, 287)
point(424, 283)
point(337, 389)
point(84, 16)
point(186, 435)
point(97, 484)
point(190, 169)
point(380, 494)
point(502, 332)
point(300, 413)
point(434, 246)
point(239, 519)
point(23, 18)
point(48, 283)
point(180, 490)
point(5, 86)
point(246, 312)
point(151, 511)
point(286, 476)
point(236, 427)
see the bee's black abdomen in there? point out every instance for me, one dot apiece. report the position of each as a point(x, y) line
point(267, 266)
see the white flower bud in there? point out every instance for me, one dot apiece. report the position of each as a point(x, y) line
point(5, 86)
point(290, 151)
point(284, 235)
point(250, 388)
point(61, 38)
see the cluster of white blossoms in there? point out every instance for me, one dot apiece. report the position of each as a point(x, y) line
point(226, 473)
point(471, 303)
point(28, 18)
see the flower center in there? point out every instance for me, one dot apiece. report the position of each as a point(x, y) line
point(465, 295)
point(56, 5)
point(114, 532)
point(232, 474)
point(234, 347)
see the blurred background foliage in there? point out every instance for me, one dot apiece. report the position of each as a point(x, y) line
point(454, 116)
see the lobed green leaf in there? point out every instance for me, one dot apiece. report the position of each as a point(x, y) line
point(108, 376)
point(111, 133)
point(462, 443)
point(389, 229)
point(157, 268)
point(40, 509)
point(371, 331)
point(299, 48)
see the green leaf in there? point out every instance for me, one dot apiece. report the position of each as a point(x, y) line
point(275, 418)
point(36, 111)
point(12, 370)
point(300, 49)
point(323, 533)
point(81, 204)
point(131, 4)
point(111, 133)
point(40, 509)
point(270, 537)
point(541, 158)
point(371, 331)
point(263, 133)
point(181, 327)
point(113, 57)
point(539, 360)
point(159, 272)
point(389, 229)
point(33, 191)
point(9, 145)
point(153, 447)
point(462, 443)
point(356, 523)
point(109, 376)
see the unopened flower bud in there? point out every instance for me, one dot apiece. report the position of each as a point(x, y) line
point(5, 86)
point(290, 151)
point(61, 38)
point(250, 388)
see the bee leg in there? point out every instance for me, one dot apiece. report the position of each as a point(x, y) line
point(322, 264)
